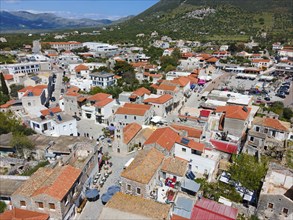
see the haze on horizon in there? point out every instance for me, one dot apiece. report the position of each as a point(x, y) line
point(92, 9)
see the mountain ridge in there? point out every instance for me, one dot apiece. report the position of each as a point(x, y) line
point(24, 20)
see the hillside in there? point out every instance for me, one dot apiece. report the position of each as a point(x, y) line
point(211, 20)
point(23, 20)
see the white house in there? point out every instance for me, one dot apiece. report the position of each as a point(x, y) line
point(55, 125)
point(200, 160)
point(162, 104)
point(102, 79)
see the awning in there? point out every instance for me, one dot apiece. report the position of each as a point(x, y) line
point(113, 189)
point(105, 198)
point(92, 194)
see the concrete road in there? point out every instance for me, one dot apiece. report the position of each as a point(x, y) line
point(88, 128)
point(92, 210)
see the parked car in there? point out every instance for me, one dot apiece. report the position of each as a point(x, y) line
point(282, 95)
point(267, 98)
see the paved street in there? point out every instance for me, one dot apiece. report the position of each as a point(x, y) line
point(88, 128)
point(92, 210)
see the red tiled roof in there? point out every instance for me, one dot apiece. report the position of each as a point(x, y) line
point(260, 61)
point(167, 87)
point(21, 214)
point(36, 91)
point(8, 77)
point(225, 146)
point(191, 144)
point(130, 130)
point(60, 186)
point(98, 97)
point(234, 111)
point(205, 209)
point(212, 60)
point(155, 86)
point(133, 109)
point(141, 91)
point(47, 111)
point(177, 217)
point(165, 137)
point(7, 104)
point(81, 67)
point(192, 132)
point(273, 123)
point(160, 100)
point(181, 81)
point(81, 99)
point(104, 102)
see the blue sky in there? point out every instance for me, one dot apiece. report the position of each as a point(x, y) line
point(94, 9)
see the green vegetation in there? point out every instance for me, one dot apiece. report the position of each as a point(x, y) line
point(3, 97)
point(154, 53)
point(14, 89)
point(4, 87)
point(21, 143)
point(236, 60)
point(217, 189)
point(122, 67)
point(8, 124)
point(34, 169)
point(66, 79)
point(248, 171)
point(289, 155)
point(169, 63)
point(2, 206)
point(285, 114)
point(7, 59)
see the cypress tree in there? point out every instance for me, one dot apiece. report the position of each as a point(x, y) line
point(3, 85)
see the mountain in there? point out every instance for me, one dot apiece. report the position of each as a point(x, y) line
point(23, 20)
point(211, 20)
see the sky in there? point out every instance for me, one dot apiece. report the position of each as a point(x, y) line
point(93, 9)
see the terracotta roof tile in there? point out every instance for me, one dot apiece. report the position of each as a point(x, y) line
point(80, 67)
point(167, 87)
point(130, 131)
point(103, 102)
point(191, 144)
point(192, 132)
point(7, 104)
point(21, 214)
point(98, 97)
point(53, 110)
point(181, 81)
point(52, 182)
point(160, 100)
point(8, 77)
point(165, 137)
point(133, 109)
point(234, 111)
point(144, 166)
point(271, 123)
point(147, 208)
point(35, 91)
point(174, 166)
point(141, 91)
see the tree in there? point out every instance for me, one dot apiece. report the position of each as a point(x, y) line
point(2, 206)
point(14, 89)
point(122, 67)
point(3, 85)
point(66, 79)
point(95, 90)
point(287, 114)
point(103, 69)
point(248, 171)
point(3, 98)
point(21, 143)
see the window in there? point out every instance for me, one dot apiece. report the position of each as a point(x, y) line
point(270, 205)
point(134, 117)
point(40, 205)
point(29, 103)
point(22, 203)
point(52, 206)
point(183, 149)
point(257, 128)
point(251, 138)
point(128, 187)
point(138, 191)
point(125, 116)
point(285, 211)
point(266, 131)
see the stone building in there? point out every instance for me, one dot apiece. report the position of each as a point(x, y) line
point(276, 196)
point(142, 175)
